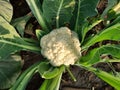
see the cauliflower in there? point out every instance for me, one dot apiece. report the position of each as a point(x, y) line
point(61, 47)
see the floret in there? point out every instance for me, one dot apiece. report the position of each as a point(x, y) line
point(61, 47)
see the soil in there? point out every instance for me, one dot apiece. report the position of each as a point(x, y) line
point(85, 80)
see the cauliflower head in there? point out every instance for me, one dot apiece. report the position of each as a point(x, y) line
point(61, 47)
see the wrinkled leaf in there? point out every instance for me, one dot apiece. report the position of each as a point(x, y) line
point(94, 56)
point(58, 11)
point(111, 33)
point(6, 10)
point(20, 23)
point(47, 71)
point(9, 71)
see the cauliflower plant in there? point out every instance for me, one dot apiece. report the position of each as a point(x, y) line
point(61, 46)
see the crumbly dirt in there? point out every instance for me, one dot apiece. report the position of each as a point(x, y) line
point(85, 80)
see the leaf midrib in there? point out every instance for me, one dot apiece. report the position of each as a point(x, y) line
point(58, 14)
point(21, 45)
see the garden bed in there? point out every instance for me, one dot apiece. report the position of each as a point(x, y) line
point(85, 80)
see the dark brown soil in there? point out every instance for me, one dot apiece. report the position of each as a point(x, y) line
point(20, 8)
point(85, 79)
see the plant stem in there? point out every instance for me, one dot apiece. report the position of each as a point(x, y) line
point(71, 75)
point(22, 46)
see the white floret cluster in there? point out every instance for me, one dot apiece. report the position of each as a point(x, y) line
point(61, 47)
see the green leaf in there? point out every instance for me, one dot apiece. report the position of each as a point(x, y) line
point(23, 80)
point(110, 79)
point(53, 83)
point(7, 30)
point(86, 10)
point(86, 27)
point(39, 33)
point(47, 71)
point(10, 46)
point(19, 23)
point(11, 42)
point(114, 12)
point(6, 10)
point(83, 11)
point(9, 71)
point(94, 56)
point(111, 33)
point(117, 20)
point(58, 11)
point(35, 6)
